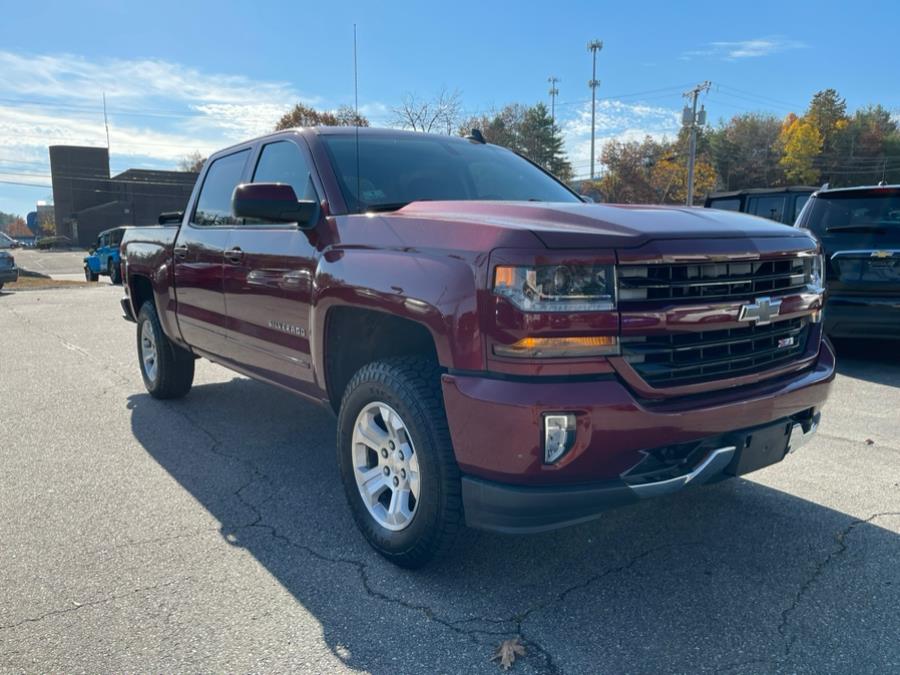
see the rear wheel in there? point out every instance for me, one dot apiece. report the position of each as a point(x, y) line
point(167, 369)
point(396, 460)
point(115, 274)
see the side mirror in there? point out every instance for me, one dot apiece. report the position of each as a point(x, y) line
point(273, 202)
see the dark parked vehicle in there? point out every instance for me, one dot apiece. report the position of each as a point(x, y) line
point(9, 273)
point(859, 229)
point(500, 354)
point(782, 205)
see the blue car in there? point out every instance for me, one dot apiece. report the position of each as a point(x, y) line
point(104, 256)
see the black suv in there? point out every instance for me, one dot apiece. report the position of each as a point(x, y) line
point(860, 233)
point(779, 204)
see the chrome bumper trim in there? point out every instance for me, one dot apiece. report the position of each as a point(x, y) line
point(714, 463)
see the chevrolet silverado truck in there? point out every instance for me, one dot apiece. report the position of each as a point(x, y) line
point(859, 229)
point(499, 353)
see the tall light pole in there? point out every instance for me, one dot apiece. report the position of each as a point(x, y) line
point(554, 92)
point(693, 120)
point(594, 46)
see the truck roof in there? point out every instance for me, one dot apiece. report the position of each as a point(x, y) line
point(757, 191)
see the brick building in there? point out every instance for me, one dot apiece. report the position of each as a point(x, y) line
point(87, 200)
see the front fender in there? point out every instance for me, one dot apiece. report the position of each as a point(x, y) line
point(92, 263)
point(437, 292)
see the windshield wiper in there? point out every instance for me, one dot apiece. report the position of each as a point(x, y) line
point(856, 228)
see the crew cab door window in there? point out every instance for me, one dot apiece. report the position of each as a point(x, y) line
point(282, 162)
point(214, 202)
point(268, 288)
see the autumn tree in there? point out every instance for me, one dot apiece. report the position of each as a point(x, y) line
point(192, 162)
point(438, 114)
point(653, 172)
point(801, 145)
point(745, 152)
point(305, 116)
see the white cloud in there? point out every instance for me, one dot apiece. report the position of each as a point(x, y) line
point(158, 111)
point(744, 49)
point(615, 120)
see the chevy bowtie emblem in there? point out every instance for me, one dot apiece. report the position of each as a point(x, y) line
point(882, 254)
point(761, 311)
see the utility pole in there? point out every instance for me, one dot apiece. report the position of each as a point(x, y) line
point(594, 46)
point(691, 118)
point(554, 92)
point(105, 121)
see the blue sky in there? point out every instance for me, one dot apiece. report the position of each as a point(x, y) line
point(185, 76)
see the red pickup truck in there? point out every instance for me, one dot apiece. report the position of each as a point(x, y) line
point(500, 354)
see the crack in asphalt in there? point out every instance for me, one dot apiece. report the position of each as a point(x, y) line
point(513, 624)
point(92, 603)
point(840, 538)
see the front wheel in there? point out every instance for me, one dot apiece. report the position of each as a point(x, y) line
point(396, 460)
point(90, 276)
point(167, 369)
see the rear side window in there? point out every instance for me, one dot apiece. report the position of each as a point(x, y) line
point(283, 162)
point(767, 207)
point(725, 204)
point(214, 203)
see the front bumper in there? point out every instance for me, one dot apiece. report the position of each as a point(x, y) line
point(495, 428)
point(863, 316)
point(9, 275)
point(501, 507)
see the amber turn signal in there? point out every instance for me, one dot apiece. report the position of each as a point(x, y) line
point(560, 347)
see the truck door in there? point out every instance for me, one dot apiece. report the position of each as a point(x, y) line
point(269, 270)
point(199, 250)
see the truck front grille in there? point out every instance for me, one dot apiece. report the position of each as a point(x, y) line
point(706, 281)
point(677, 359)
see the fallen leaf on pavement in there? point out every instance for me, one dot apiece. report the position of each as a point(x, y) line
point(508, 651)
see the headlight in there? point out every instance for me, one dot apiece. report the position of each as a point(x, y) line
point(815, 279)
point(557, 288)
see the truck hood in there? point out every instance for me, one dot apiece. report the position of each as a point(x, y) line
point(564, 225)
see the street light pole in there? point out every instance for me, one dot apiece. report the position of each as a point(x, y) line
point(553, 94)
point(594, 46)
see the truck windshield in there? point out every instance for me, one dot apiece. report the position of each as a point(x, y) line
point(396, 170)
point(875, 211)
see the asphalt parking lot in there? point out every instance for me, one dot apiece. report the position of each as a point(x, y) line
point(211, 534)
point(62, 265)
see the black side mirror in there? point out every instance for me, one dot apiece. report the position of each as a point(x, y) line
point(273, 202)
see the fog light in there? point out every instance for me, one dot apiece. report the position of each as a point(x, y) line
point(559, 435)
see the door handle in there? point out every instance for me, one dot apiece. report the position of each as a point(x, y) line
point(181, 251)
point(235, 255)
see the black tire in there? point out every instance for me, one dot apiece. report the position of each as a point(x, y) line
point(412, 387)
point(88, 275)
point(174, 372)
point(1, 285)
point(115, 273)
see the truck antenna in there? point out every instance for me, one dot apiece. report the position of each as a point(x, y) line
point(356, 117)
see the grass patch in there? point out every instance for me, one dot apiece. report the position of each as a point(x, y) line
point(40, 283)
